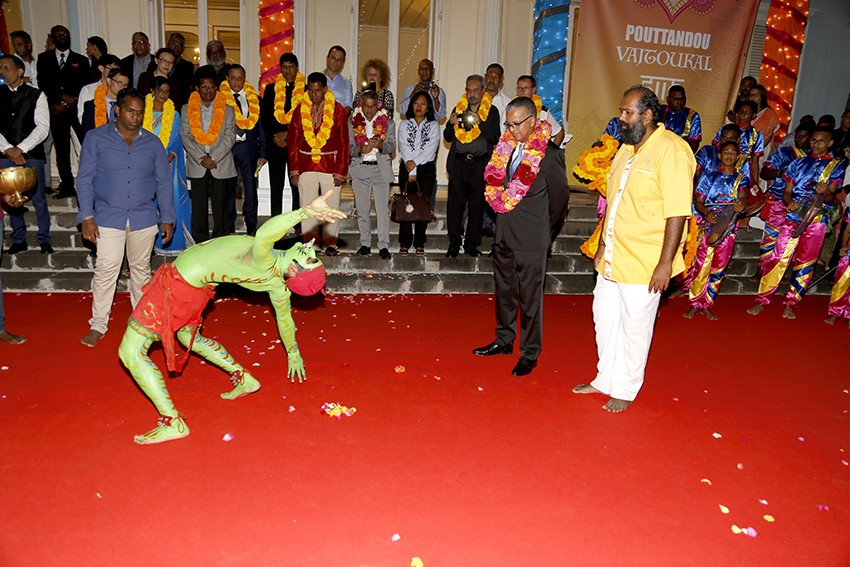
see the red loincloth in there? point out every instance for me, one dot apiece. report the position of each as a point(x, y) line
point(169, 303)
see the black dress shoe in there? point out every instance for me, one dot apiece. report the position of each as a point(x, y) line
point(493, 348)
point(65, 194)
point(46, 248)
point(364, 251)
point(472, 252)
point(331, 251)
point(385, 254)
point(452, 252)
point(524, 367)
point(16, 247)
point(251, 230)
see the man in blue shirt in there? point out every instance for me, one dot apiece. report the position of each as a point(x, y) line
point(124, 189)
point(339, 85)
point(680, 119)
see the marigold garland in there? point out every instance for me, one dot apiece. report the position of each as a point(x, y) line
point(504, 197)
point(483, 112)
point(194, 109)
point(537, 103)
point(167, 119)
point(100, 115)
point(280, 97)
point(380, 123)
point(317, 141)
point(592, 168)
point(253, 105)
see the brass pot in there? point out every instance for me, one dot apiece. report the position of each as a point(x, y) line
point(17, 180)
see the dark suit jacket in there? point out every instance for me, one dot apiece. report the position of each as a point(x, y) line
point(184, 72)
point(54, 82)
point(256, 140)
point(528, 225)
point(489, 130)
point(127, 66)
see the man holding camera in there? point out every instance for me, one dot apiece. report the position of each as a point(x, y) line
point(426, 83)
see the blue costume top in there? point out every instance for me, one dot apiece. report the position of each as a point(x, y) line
point(805, 173)
point(751, 141)
point(613, 128)
point(708, 159)
point(781, 160)
point(718, 188)
point(686, 123)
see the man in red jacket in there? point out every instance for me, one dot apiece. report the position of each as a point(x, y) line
point(318, 154)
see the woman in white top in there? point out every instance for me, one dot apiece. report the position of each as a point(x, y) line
point(418, 141)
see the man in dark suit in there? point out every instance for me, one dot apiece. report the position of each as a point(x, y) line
point(140, 61)
point(249, 151)
point(522, 238)
point(183, 70)
point(61, 75)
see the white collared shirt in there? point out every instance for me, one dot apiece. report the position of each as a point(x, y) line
point(243, 106)
point(30, 71)
point(59, 54)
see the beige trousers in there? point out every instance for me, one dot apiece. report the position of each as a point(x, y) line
point(110, 255)
point(311, 184)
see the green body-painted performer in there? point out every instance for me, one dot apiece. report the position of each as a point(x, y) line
point(178, 292)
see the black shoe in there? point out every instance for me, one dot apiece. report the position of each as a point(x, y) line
point(46, 248)
point(331, 251)
point(524, 367)
point(493, 348)
point(453, 252)
point(364, 251)
point(385, 254)
point(16, 247)
point(472, 252)
point(251, 230)
point(48, 190)
point(65, 194)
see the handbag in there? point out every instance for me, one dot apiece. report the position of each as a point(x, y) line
point(410, 207)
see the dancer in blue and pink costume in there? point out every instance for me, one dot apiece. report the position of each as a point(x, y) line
point(839, 299)
point(751, 141)
point(774, 169)
point(716, 190)
point(806, 178)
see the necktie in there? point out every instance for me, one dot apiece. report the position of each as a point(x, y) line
point(238, 98)
point(61, 60)
point(515, 161)
point(111, 111)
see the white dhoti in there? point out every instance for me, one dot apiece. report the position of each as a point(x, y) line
point(624, 317)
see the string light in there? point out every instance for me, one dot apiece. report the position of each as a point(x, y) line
point(549, 52)
point(276, 31)
point(786, 24)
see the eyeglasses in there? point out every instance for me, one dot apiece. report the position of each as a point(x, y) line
point(165, 61)
point(207, 87)
point(121, 84)
point(512, 125)
point(140, 42)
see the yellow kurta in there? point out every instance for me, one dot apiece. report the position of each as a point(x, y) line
point(644, 190)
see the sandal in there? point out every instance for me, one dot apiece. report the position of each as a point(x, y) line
point(420, 251)
point(403, 251)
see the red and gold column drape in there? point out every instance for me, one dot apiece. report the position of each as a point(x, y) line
point(786, 26)
point(276, 30)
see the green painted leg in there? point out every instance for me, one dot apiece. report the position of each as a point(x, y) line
point(133, 353)
point(211, 350)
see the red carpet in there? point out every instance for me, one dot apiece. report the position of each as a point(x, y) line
point(469, 465)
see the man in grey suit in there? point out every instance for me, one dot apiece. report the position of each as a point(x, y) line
point(371, 170)
point(209, 163)
point(523, 235)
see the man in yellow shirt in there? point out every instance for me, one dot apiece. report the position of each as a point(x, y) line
point(650, 189)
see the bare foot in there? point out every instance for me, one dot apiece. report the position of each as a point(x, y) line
point(91, 339)
point(831, 320)
point(243, 384)
point(788, 313)
point(755, 309)
point(616, 406)
point(585, 389)
point(8, 337)
point(167, 428)
point(709, 314)
point(678, 293)
point(690, 314)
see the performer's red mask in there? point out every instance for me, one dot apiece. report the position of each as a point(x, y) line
point(307, 282)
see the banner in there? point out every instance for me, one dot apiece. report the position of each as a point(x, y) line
point(699, 44)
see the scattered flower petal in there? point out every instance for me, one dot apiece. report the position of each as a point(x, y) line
point(291, 409)
point(227, 437)
point(769, 518)
point(716, 435)
point(480, 389)
point(416, 562)
point(396, 537)
point(736, 529)
point(337, 410)
point(723, 509)
point(801, 438)
point(399, 369)
point(763, 501)
point(705, 480)
point(740, 466)
point(750, 532)
point(822, 507)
